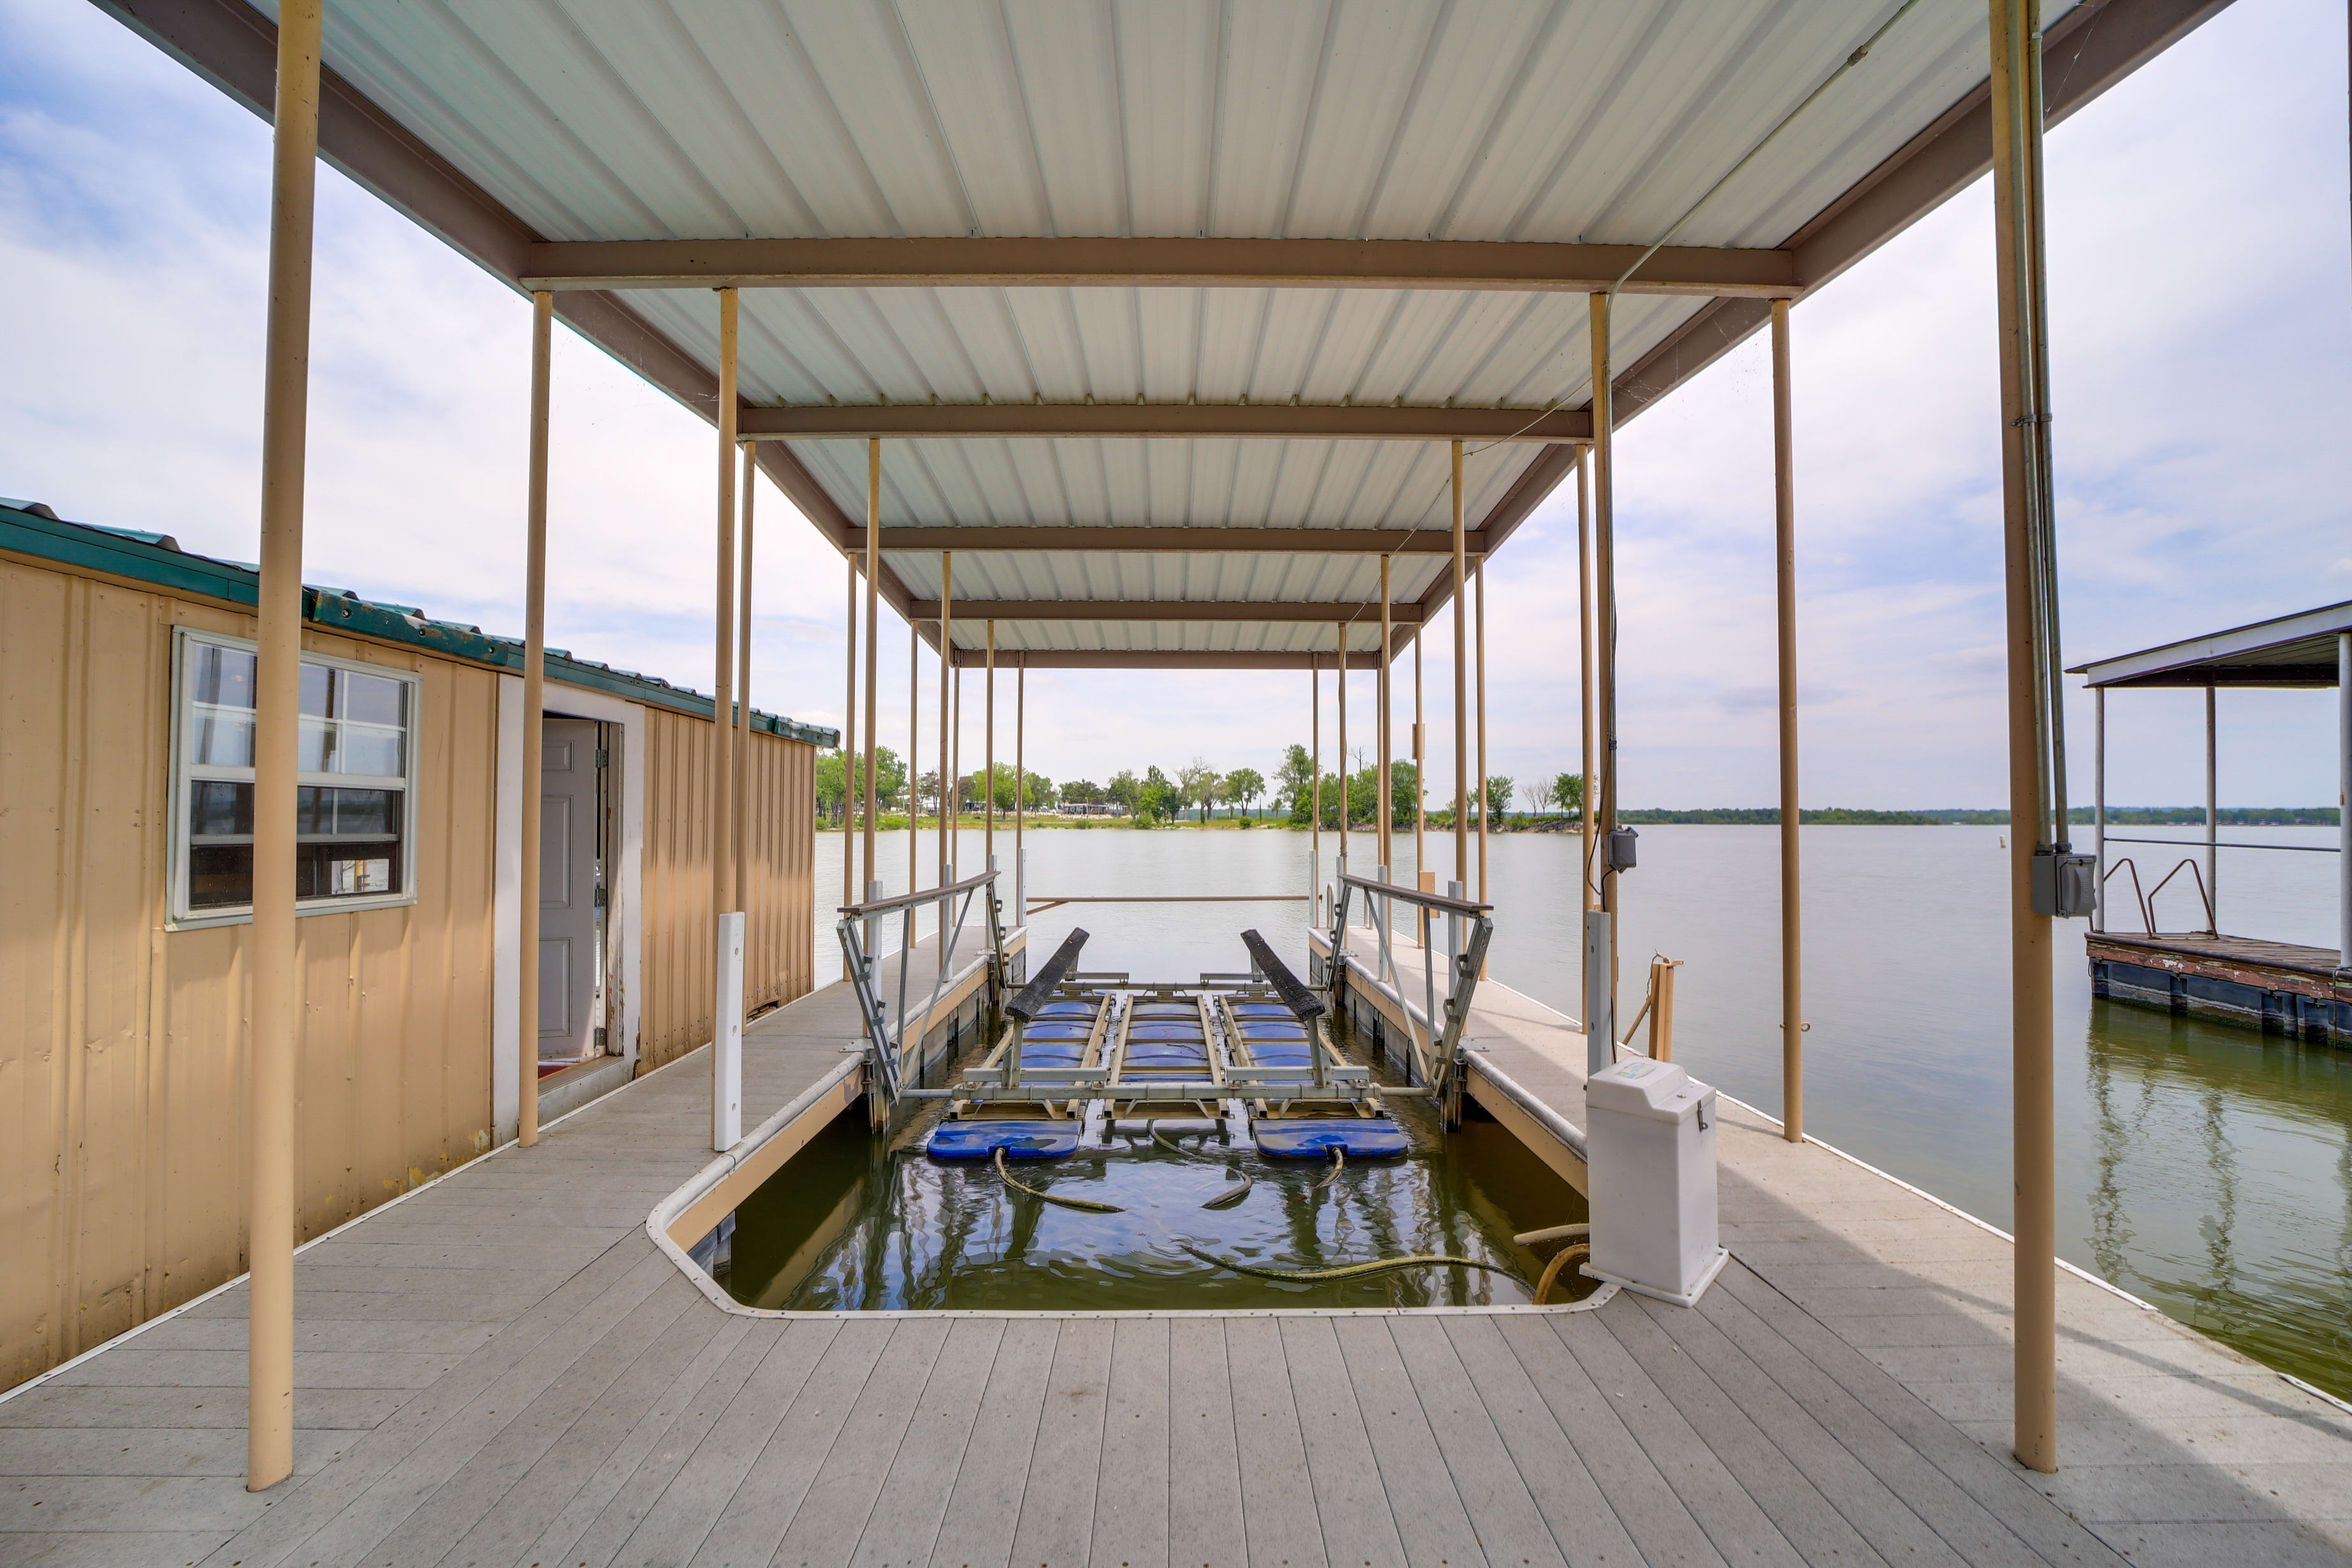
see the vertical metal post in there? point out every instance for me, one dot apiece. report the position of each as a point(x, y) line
point(914, 740)
point(947, 663)
point(955, 751)
point(276, 1028)
point(1315, 802)
point(1344, 778)
point(1584, 659)
point(1784, 539)
point(1423, 876)
point(1604, 598)
point(2099, 806)
point(988, 755)
point(1478, 579)
point(743, 695)
point(1461, 682)
point(2212, 820)
point(873, 640)
point(1383, 811)
point(534, 704)
point(1020, 788)
point(849, 746)
point(2016, 109)
point(2342, 806)
point(726, 927)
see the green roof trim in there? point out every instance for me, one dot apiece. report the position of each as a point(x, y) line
point(124, 552)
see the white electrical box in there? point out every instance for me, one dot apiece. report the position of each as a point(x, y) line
point(1650, 1147)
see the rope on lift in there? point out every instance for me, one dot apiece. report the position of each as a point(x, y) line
point(1083, 1206)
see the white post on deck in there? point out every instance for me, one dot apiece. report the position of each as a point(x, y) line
point(276, 1031)
point(2343, 803)
point(2212, 821)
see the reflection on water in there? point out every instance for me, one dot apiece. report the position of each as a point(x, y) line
point(2201, 1166)
point(854, 1223)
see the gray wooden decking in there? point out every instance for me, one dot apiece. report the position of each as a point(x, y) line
point(503, 1370)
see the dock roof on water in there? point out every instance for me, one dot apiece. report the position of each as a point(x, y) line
point(2292, 650)
point(1303, 244)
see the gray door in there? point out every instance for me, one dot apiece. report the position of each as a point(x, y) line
point(569, 806)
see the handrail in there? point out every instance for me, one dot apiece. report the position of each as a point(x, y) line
point(2212, 927)
point(2229, 844)
point(2147, 919)
point(873, 907)
point(1415, 895)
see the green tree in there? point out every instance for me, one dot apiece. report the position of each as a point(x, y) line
point(1242, 786)
point(1084, 792)
point(1498, 796)
point(1198, 781)
point(1294, 783)
point(1567, 793)
point(841, 782)
point(1126, 790)
point(1157, 797)
point(1405, 792)
point(1532, 795)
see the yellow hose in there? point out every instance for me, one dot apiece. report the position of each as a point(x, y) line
point(1338, 1163)
point(1083, 1206)
point(1223, 1200)
point(1348, 1271)
point(1551, 1270)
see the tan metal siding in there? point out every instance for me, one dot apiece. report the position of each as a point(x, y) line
point(121, 1044)
point(780, 845)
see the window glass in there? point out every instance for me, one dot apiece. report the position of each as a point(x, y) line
point(350, 840)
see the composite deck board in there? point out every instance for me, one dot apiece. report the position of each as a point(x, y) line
point(504, 1370)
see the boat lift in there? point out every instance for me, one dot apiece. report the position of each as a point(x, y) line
point(1435, 1026)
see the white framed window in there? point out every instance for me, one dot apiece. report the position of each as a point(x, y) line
point(356, 813)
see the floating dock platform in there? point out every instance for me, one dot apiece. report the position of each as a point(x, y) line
point(2278, 987)
point(508, 1367)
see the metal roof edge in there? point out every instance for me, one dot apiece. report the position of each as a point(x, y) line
point(2245, 639)
point(122, 554)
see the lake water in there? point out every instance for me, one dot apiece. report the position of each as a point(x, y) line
point(2205, 1168)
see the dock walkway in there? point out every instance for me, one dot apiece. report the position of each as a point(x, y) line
point(503, 1369)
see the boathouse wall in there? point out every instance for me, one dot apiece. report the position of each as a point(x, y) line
point(123, 1032)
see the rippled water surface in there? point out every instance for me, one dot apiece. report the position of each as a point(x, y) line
point(2205, 1168)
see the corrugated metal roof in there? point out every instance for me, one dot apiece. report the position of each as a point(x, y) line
point(1591, 121)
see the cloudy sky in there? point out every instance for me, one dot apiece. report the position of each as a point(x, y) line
point(2201, 279)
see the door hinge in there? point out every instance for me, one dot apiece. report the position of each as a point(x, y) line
point(600, 896)
point(600, 1036)
point(604, 756)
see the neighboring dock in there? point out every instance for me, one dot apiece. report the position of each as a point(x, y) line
point(503, 1369)
point(2279, 987)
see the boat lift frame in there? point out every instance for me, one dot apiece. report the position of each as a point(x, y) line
point(888, 1045)
point(1437, 1062)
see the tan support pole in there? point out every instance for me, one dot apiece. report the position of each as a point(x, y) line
point(1584, 657)
point(1020, 785)
point(988, 755)
point(1384, 810)
point(2213, 819)
point(1784, 493)
point(277, 1027)
point(1461, 675)
point(1604, 595)
point(849, 748)
point(744, 691)
point(1314, 804)
point(1478, 577)
point(534, 728)
point(914, 738)
point(947, 663)
point(1423, 878)
point(2016, 109)
point(955, 751)
point(1346, 774)
point(723, 712)
point(873, 631)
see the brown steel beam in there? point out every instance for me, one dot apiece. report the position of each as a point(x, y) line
point(1120, 658)
point(1212, 263)
point(1195, 421)
point(1318, 613)
point(1181, 540)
